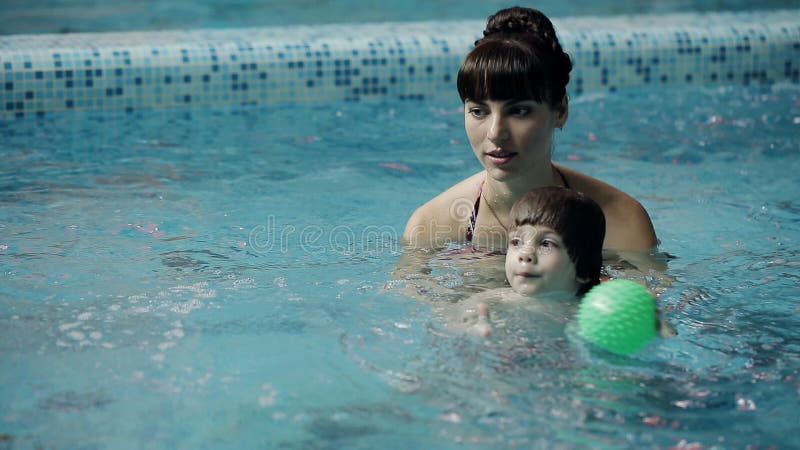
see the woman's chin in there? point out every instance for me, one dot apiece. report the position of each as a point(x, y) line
point(498, 173)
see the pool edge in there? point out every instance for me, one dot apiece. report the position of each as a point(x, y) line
point(132, 71)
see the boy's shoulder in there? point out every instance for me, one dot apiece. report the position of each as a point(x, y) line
point(496, 295)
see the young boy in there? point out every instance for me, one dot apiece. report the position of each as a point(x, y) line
point(555, 253)
point(555, 243)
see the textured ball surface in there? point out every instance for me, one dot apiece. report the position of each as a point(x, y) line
point(617, 315)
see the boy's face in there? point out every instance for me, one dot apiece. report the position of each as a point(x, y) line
point(537, 262)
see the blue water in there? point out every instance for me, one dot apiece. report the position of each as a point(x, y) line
point(225, 278)
point(59, 16)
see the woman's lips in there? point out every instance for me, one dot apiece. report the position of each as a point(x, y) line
point(500, 157)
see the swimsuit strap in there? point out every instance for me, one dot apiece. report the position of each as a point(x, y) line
point(563, 178)
point(474, 216)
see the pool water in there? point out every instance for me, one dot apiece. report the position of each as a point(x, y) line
point(225, 278)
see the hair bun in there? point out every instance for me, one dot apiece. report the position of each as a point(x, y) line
point(518, 20)
point(512, 25)
point(518, 55)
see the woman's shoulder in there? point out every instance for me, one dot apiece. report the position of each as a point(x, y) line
point(599, 191)
point(628, 225)
point(465, 192)
point(447, 213)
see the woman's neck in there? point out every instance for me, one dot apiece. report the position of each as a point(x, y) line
point(503, 193)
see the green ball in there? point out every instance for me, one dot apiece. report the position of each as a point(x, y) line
point(618, 315)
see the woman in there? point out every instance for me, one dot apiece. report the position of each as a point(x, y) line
point(513, 85)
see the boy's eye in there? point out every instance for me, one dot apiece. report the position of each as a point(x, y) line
point(547, 246)
point(515, 242)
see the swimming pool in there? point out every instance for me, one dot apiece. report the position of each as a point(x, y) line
point(220, 275)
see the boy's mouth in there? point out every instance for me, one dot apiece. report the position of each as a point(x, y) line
point(529, 275)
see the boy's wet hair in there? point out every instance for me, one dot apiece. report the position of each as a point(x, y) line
point(577, 218)
point(519, 57)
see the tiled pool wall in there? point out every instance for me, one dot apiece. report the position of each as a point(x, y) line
point(131, 71)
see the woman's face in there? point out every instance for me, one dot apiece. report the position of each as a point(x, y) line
point(512, 136)
point(537, 262)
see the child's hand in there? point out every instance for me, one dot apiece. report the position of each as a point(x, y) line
point(483, 327)
point(665, 330)
point(475, 320)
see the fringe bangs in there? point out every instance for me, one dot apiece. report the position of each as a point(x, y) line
point(502, 70)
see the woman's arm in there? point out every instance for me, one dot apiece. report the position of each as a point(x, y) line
point(628, 226)
point(444, 218)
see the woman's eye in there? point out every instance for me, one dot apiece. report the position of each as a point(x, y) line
point(477, 112)
point(520, 111)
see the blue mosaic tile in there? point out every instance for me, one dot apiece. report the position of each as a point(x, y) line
point(131, 70)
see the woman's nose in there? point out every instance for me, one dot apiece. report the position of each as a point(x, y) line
point(498, 132)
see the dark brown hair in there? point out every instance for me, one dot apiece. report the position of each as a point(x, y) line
point(519, 57)
point(573, 215)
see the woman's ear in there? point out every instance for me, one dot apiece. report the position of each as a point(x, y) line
point(563, 112)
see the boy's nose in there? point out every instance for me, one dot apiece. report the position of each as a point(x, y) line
point(527, 256)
